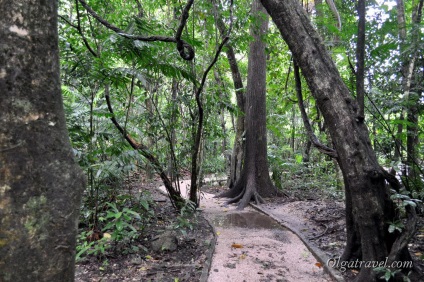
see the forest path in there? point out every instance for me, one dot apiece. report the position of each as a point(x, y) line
point(252, 246)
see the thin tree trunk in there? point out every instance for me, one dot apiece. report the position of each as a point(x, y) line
point(237, 155)
point(150, 142)
point(221, 111)
point(174, 108)
point(411, 101)
point(360, 59)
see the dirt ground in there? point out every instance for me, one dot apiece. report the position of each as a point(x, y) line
point(318, 222)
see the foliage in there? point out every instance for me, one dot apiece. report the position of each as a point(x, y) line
point(87, 248)
point(186, 219)
point(387, 273)
point(152, 92)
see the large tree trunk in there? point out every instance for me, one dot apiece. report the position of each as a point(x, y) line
point(367, 198)
point(40, 183)
point(255, 182)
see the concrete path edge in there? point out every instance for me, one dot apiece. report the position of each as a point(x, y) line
point(319, 255)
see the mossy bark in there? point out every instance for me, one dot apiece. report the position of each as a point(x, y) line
point(40, 183)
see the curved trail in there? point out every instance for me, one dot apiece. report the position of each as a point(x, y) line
point(252, 246)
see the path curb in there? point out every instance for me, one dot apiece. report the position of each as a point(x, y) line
point(318, 254)
point(209, 256)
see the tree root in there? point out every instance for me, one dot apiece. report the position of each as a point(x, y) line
point(258, 199)
point(236, 198)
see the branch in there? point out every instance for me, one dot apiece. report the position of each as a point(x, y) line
point(181, 45)
point(80, 32)
point(174, 195)
point(78, 28)
point(321, 147)
point(186, 56)
point(335, 12)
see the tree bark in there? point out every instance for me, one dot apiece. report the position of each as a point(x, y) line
point(255, 182)
point(367, 197)
point(40, 183)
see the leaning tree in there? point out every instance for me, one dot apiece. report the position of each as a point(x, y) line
point(368, 206)
point(40, 183)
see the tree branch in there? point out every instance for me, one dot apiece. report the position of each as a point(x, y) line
point(335, 12)
point(78, 28)
point(321, 147)
point(186, 47)
point(181, 45)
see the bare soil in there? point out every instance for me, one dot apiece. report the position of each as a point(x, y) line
point(320, 222)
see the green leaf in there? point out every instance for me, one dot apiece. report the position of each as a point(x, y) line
point(119, 225)
point(387, 275)
point(410, 203)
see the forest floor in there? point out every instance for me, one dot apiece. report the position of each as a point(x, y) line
point(228, 242)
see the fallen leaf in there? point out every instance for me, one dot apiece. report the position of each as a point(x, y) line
point(237, 246)
point(418, 254)
point(318, 264)
point(107, 235)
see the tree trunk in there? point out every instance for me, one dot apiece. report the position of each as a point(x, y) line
point(360, 58)
point(40, 183)
point(172, 167)
point(237, 155)
point(224, 152)
point(150, 142)
point(412, 99)
point(367, 197)
point(255, 182)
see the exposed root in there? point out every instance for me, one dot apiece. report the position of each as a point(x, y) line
point(258, 199)
point(237, 198)
point(226, 194)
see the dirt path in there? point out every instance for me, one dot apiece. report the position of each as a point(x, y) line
point(268, 251)
point(252, 246)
